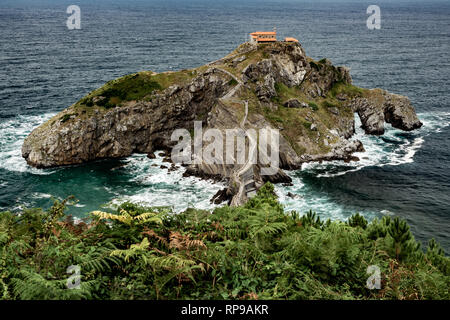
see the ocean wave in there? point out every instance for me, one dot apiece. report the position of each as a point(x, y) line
point(40, 195)
point(435, 121)
point(301, 197)
point(12, 133)
point(163, 188)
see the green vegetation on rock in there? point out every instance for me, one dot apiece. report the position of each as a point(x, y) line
point(313, 106)
point(256, 251)
point(133, 87)
point(347, 89)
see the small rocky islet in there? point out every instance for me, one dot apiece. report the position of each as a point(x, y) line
point(276, 85)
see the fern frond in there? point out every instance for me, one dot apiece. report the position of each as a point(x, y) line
point(124, 218)
point(33, 286)
point(148, 217)
point(135, 250)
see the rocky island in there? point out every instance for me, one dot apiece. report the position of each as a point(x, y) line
point(312, 104)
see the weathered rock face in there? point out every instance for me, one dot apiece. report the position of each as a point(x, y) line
point(399, 112)
point(137, 127)
point(277, 86)
point(294, 103)
point(287, 65)
point(323, 76)
point(387, 107)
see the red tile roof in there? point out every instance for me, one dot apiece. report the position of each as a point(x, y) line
point(290, 39)
point(264, 33)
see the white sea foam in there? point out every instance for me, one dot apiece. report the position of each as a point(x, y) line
point(12, 134)
point(435, 121)
point(163, 188)
point(306, 199)
point(387, 213)
point(39, 195)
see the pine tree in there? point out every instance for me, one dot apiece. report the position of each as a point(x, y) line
point(403, 240)
point(357, 220)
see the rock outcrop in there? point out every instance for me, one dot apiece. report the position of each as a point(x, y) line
point(311, 104)
point(386, 108)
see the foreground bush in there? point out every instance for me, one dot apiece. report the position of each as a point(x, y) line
point(252, 252)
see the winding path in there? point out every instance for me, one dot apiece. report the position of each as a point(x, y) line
point(244, 177)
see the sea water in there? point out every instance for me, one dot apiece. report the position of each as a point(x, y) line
point(44, 67)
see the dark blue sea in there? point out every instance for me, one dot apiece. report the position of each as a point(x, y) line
point(44, 67)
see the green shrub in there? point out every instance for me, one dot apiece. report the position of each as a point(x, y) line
point(131, 87)
point(328, 104)
point(357, 220)
point(256, 251)
point(314, 65)
point(344, 88)
point(65, 118)
point(313, 106)
point(307, 125)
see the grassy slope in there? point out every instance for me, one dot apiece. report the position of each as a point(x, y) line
point(252, 252)
point(134, 87)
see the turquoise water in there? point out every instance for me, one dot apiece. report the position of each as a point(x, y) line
point(45, 68)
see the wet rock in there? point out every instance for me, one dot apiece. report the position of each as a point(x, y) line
point(371, 115)
point(279, 177)
point(167, 159)
point(352, 158)
point(223, 195)
point(399, 112)
point(292, 195)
